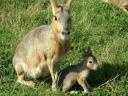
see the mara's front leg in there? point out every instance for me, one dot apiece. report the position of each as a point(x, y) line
point(54, 69)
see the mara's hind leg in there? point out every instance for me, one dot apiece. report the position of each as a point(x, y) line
point(21, 76)
point(67, 84)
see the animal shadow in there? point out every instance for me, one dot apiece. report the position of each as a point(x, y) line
point(106, 72)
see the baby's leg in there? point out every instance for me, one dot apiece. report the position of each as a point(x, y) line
point(67, 84)
point(86, 83)
point(81, 81)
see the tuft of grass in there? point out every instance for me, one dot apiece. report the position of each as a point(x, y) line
point(95, 24)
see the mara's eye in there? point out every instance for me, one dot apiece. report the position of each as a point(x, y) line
point(90, 61)
point(55, 18)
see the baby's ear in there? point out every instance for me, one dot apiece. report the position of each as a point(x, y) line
point(89, 51)
point(86, 53)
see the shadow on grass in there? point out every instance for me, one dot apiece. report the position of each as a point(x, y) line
point(106, 72)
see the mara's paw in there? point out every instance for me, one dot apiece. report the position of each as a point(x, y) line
point(27, 83)
point(74, 92)
point(30, 83)
point(54, 88)
point(85, 91)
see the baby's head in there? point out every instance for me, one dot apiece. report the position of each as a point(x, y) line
point(90, 60)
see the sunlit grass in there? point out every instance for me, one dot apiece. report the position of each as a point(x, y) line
point(95, 24)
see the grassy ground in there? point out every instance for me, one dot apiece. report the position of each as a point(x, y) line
point(95, 24)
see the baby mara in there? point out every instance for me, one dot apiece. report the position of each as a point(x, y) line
point(78, 73)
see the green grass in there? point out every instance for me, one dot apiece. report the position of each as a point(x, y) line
point(95, 24)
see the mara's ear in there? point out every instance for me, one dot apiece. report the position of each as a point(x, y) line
point(86, 53)
point(68, 4)
point(89, 51)
point(54, 6)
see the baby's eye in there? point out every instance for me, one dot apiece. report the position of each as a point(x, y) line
point(90, 61)
point(55, 18)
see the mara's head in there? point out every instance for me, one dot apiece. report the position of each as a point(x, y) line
point(62, 19)
point(90, 60)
